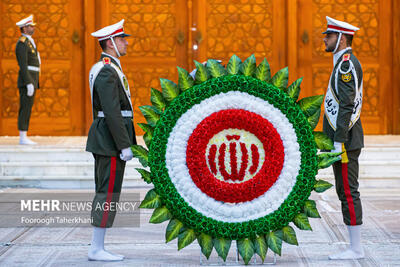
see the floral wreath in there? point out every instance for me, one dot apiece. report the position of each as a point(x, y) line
point(233, 156)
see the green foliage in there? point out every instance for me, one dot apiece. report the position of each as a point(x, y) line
point(323, 141)
point(202, 74)
point(310, 209)
point(206, 244)
point(146, 128)
point(151, 201)
point(173, 229)
point(274, 240)
point(157, 99)
point(313, 119)
point(294, 89)
point(185, 80)
point(151, 114)
point(222, 246)
point(160, 214)
point(327, 159)
point(233, 66)
point(147, 138)
point(280, 79)
point(148, 135)
point(289, 235)
point(215, 68)
point(301, 221)
point(248, 67)
point(260, 246)
point(169, 90)
point(246, 249)
point(185, 238)
point(310, 105)
point(321, 186)
point(141, 153)
point(263, 71)
point(145, 175)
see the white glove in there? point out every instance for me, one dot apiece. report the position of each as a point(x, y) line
point(30, 89)
point(338, 148)
point(126, 154)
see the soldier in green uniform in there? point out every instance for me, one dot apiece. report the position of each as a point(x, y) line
point(111, 134)
point(342, 124)
point(28, 76)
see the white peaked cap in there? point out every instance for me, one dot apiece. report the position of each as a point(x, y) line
point(335, 25)
point(25, 22)
point(114, 30)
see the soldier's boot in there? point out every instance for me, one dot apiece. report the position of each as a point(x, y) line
point(355, 251)
point(24, 140)
point(97, 251)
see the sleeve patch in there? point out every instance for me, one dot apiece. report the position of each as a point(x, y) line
point(346, 57)
point(106, 61)
point(346, 77)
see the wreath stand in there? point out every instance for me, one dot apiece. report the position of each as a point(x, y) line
point(256, 260)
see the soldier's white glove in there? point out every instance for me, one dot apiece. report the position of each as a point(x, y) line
point(338, 148)
point(30, 89)
point(126, 154)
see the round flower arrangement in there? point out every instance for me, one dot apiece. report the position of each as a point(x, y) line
point(233, 156)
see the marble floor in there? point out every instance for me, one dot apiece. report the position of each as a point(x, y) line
point(145, 245)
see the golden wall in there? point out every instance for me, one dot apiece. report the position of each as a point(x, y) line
point(170, 33)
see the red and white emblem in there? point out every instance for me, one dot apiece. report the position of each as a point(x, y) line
point(233, 157)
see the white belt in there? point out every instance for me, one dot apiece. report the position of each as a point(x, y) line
point(124, 113)
point(33, 68)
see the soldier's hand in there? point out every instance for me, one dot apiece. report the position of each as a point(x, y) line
point(30, 89)
point(338, 148)
point(126, 154)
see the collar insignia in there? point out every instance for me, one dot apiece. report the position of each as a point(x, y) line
point(106, 61)
point(346, 57)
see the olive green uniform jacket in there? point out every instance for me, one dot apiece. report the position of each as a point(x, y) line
point(111, 133)
point(353, 138)
point(27, 55)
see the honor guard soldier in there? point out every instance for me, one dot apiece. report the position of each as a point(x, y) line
point(343, 101)
point(28, 76)
point(111, 134)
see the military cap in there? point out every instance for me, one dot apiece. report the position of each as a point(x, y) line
point(339, 26)
point(25, 22)
point(115, 30)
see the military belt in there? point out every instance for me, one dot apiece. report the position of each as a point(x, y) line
point(124, 113)
point(33, 68)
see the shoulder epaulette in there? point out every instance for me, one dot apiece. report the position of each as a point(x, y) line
point(106, 61)
point(22, 39)
point(346, 57)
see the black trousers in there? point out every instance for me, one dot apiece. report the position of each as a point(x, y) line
point(108, 175)
point(346, 180)
point(25, 108)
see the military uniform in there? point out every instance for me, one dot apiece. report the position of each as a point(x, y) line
point(111, 135)
point(110, 132)
point(29, 66)
point(344, 105)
